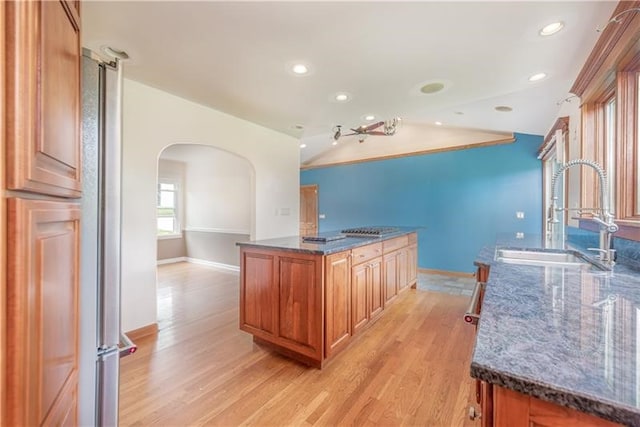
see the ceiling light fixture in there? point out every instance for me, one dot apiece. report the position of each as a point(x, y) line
point(503, 108)
point(551, 29)
point(303, 145)
point(369, 118)
point(537, 77)
point(431, 88)
point(438, 123)
point(342, 97)
point(300, 69)
point(334, 143)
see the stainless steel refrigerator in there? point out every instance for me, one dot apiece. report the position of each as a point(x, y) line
point(101, 340)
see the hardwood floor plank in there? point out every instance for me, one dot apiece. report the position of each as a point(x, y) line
point(410, 368)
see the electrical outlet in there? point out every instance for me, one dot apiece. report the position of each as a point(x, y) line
point(322, 216)
point(520, 215)
point(519, 235)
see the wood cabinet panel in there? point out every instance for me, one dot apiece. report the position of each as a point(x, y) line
point(338, 301)
point(376, 293)
point(513, 409)
point(300, 316)
point(359, 306)
point(259, 293)
point(390, 277)
point(395, 244)
point(42, 293)
point(403, 268)
point(43, 97)
point(365, 253)
point(412, 264)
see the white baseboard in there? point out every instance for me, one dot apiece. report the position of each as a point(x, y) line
point(213, 264)
point(172, 260)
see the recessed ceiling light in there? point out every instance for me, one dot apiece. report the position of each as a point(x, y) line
point(504, 108)
point(552, 28)
point(369, 118)
point(438, 123)
point(334, 143)
point(537, 77)
point(303, 145)
point(342, 97)
point(300, 69)
point(430, 88)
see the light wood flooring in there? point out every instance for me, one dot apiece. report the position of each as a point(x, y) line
point(410, 368)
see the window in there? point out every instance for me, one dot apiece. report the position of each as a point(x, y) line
point(609, 87)
point(610, 149)
point(167, 211)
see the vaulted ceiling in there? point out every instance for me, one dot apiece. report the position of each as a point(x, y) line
point(237, 56)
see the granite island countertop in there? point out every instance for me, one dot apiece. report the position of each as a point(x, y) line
point(296, 244)
point(563, 334)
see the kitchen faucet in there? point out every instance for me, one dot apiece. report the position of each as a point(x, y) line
point(605, 217)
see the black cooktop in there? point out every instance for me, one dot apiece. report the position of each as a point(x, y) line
point(368, 231)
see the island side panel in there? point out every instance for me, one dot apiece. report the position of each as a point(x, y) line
point(301, 302)
point(258, 293)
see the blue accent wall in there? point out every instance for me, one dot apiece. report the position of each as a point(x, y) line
point(463, 198)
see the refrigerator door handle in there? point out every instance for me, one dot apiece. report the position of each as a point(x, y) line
point(127, 346)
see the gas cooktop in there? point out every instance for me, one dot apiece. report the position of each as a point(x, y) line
point(368, 231)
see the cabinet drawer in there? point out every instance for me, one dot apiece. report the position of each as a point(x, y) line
point(365, 253)
point(393, 244)
point(413, 238)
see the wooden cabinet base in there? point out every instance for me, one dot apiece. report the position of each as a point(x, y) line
point(502, 407)
point(308, 306)
point(314, 363)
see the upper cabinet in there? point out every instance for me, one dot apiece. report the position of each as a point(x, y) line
point(43, 97)
point(608, 86)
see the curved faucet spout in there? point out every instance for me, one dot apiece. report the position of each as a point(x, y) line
point(605, 218)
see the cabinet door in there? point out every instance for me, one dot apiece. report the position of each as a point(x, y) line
point(300, 296)
point(376, 294)
point(337, 301)
point(359, 306)
point(390, 277)
point(42, 294)
point(258, 293)
point(412, 265)
point(43, 97)
point(403, 268)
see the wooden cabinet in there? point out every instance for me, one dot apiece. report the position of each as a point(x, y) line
point(42, 294)
point(375, 291)
point(359, 307)
point(366, 293)
point(338, 301)
point(259, 295)
point(412, 260)
point(275, 307)
point(43, 97)
point(40, 154)
point(309, 306)
point(502, 407)
point(390, 277)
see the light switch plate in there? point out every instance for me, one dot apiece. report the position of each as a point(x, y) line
point(520, 215)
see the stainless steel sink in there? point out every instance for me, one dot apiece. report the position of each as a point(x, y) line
point(542, 257)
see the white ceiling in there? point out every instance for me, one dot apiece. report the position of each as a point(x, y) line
point(233, 56)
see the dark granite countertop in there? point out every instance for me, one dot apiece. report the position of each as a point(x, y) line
point(563, 334)
point(295, 243)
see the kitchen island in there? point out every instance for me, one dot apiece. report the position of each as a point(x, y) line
point(309, 300)
point(557, 345)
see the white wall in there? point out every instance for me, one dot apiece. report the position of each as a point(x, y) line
point(152, 120)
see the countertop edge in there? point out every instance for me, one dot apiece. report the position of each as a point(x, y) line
point(353, 242)
point(611, 411)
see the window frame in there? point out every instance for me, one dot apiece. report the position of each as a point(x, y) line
point(613, 67)
point(177, 233)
